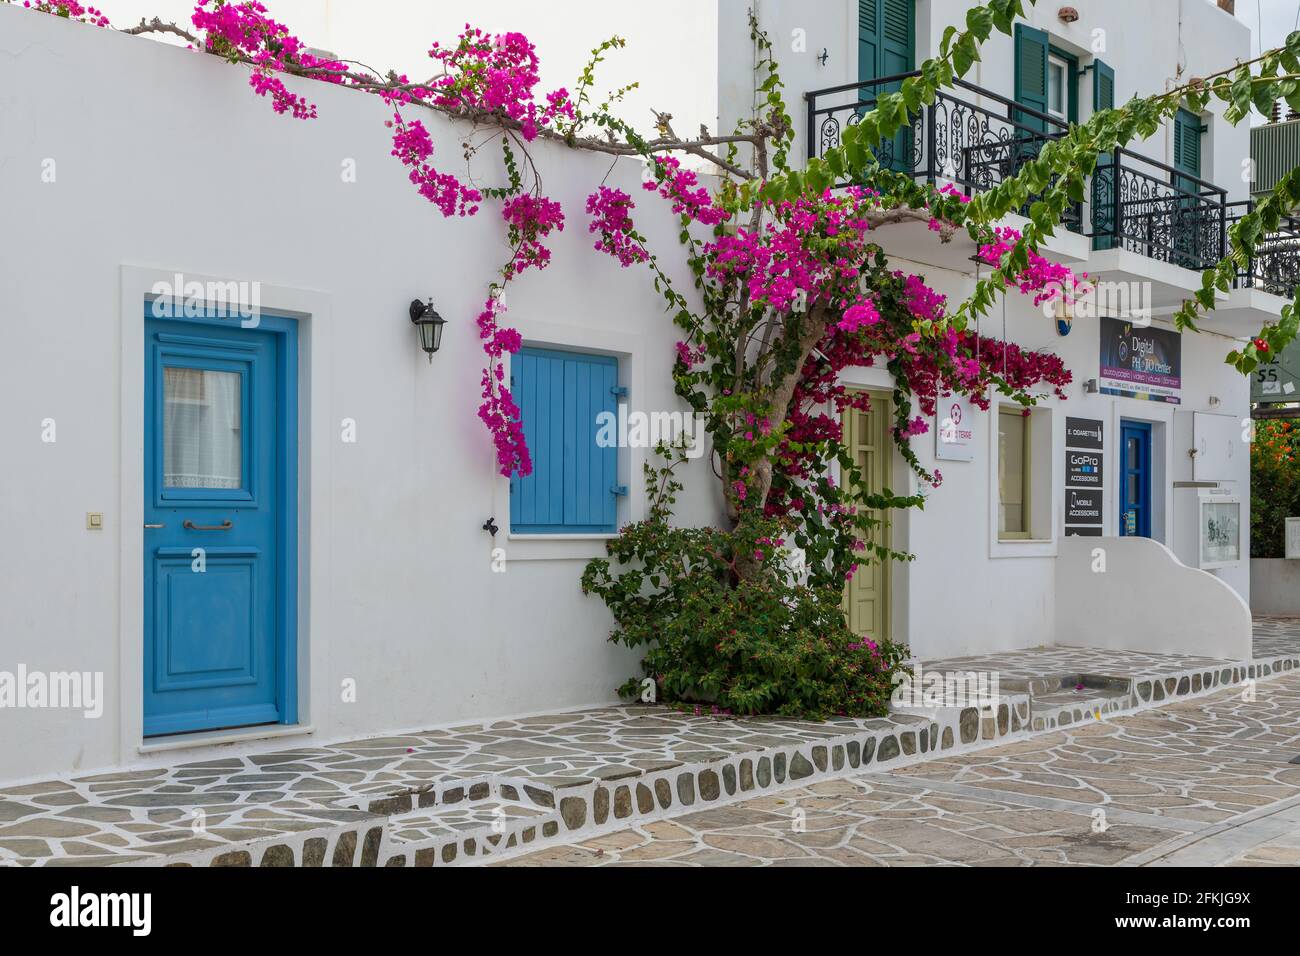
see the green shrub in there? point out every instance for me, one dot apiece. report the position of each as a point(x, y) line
point(1274, 485)
point(720, 643)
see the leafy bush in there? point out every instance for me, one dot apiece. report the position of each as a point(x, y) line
point(765, 644)
point(1274, 485)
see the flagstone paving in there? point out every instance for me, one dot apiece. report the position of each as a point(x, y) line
point(1210, 780)
point(466, 793)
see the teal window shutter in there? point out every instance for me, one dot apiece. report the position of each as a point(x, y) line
point(886, 38)
point(1103, 180)
point(1031, 74)
point(1103, 87)
point(869, 40)
point(1187, 143)
point(574, 485)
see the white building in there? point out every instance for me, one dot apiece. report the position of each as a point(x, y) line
point(357, 573)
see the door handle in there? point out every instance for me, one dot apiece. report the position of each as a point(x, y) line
point(224, 526)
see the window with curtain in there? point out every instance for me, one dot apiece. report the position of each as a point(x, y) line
point(1013, 473)
point(202, 416)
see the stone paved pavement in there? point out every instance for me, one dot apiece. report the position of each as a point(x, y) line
point(1208, 781)
point(452, 794)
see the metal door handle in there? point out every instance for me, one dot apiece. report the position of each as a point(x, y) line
point(224, 526)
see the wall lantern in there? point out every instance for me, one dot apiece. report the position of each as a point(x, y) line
point(1067, 14)
point(429, 324)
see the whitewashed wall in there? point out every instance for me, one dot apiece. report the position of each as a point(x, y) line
point(966, 592)
point(166, 160)
point(174, 165)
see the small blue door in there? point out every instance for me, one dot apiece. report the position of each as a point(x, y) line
point(1135, 479)
point(220, 523)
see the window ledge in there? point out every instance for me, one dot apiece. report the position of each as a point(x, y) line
point(563, 537)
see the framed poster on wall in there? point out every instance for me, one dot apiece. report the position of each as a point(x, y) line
point(1219, 531)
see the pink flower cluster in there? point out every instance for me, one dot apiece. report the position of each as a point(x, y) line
point(691, 357)
point(70, 10)
point(922, 301)
point(683, 187)
point(530, 219)
point(610, 210)
point(1045, 279)
point(496, 74)
point(413, 146)
point(499, 412)
point(807, 255)
point(246, 28)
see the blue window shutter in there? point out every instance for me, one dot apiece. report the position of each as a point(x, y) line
point(573, 487)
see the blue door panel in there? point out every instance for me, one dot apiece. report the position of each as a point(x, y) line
point(1135, 479)
point(220, 575)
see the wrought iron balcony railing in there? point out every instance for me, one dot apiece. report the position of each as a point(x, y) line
point(972, 138)
point(976, 139)
point(1276, 265)
point(1157, 211)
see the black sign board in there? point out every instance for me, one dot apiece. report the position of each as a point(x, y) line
point(1082, 469)
point(1093, 532)
point(1082, 507)
point(1083, 433)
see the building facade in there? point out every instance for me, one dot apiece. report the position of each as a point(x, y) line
point(337, 490)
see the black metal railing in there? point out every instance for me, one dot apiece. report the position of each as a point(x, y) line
point(974, 145)
point(977, 139)
point(1275, 266)
point(1157, 211)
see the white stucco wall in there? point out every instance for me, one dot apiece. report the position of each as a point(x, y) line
point(175, 166)
point(166, 160)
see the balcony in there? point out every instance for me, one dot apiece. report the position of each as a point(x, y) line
point(1158, 212)
point(974, 145)
point(976, 139)
point(1276, 266)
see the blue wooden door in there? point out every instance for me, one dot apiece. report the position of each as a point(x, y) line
point(1135, 480)
point(219, 532)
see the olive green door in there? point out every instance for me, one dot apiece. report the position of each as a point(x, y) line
point(866, 433)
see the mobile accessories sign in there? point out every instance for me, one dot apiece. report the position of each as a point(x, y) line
point(1140, 361)
point(1083, 476)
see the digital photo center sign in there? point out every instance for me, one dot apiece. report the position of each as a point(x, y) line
point(1140, 361)
point(1083, 476)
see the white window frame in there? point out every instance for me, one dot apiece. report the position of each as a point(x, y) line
point(1054, 62)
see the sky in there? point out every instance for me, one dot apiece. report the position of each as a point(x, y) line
point(1270, 19)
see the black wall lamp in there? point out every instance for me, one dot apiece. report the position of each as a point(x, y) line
point(429, 324)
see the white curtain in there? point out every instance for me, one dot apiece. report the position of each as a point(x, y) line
point(201, 428)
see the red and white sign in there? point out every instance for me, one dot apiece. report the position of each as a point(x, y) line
point(955, 430)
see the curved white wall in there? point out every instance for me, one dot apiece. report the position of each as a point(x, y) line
point(1134, 594)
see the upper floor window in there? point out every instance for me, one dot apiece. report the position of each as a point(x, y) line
point(1057, 79)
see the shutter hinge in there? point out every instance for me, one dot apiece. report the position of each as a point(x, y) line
point(619, 491)
point(618, 391)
